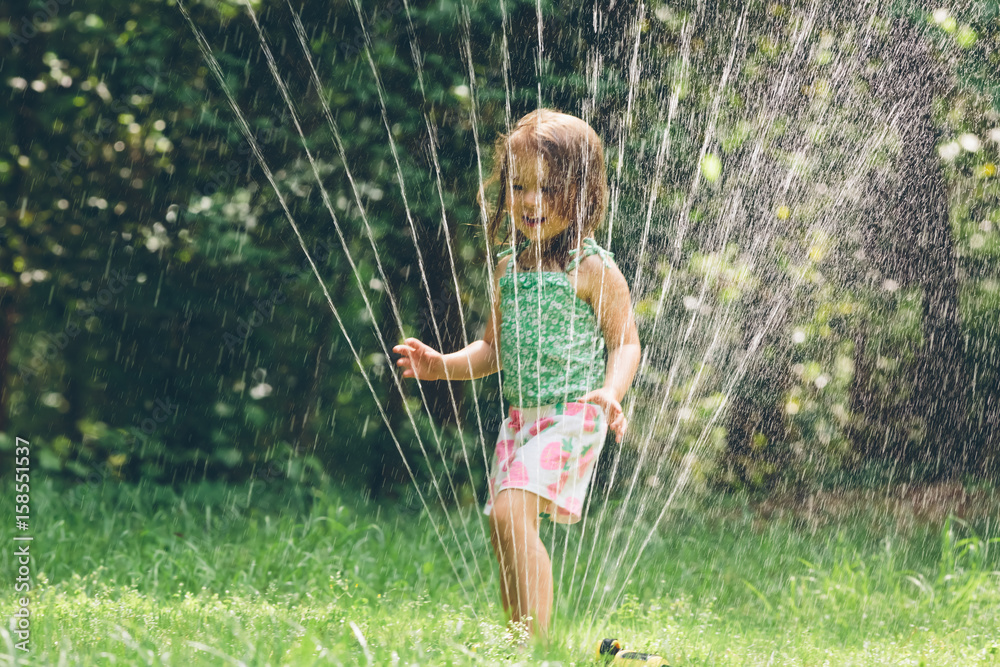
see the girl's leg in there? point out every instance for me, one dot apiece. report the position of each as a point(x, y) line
point(525, 570)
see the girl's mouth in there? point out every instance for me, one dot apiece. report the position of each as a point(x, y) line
point(532, 222)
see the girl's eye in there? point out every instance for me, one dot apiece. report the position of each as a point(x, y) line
point(516, 188)
point(547, 190)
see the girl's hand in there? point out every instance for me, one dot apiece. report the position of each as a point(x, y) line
point(420, 361)
point(605, 398)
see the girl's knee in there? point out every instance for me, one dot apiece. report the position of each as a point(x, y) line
point(514, 508)
point(506, 505)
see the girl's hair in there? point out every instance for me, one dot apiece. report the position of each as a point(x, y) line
point(574, 156)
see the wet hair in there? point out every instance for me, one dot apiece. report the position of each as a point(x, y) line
point(574, 156)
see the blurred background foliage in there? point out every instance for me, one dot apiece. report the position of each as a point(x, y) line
point(805, 203)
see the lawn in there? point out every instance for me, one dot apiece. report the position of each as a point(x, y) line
point(283, 575)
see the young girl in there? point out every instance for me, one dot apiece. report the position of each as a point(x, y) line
point(560, 302)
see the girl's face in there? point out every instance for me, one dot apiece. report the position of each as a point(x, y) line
point(536, 201)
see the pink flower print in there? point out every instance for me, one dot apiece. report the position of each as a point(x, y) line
point(541, 425)
point(556, 488)
point(554, 456)
point(591, 416)
point(505, 453)
point(587, 457)
point(572, 506)
point(515, 420)
point(591, 419)
point(517, 476)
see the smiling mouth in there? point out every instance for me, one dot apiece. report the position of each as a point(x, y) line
point(532, 222)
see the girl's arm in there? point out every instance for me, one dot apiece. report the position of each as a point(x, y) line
point(491, 336)
point(476, 360)
point(609, 295)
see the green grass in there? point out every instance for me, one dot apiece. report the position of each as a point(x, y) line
point(143, 575)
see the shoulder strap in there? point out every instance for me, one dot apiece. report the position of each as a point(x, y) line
point(509, 250)
point(589, 247)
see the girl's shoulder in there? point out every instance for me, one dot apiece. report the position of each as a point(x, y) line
point(591, 257)
point(596, 274)
point(589, 248)
point(501, 266)
point(504, 257)
point(509, 250)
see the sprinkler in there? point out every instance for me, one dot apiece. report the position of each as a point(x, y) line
point(612, 648)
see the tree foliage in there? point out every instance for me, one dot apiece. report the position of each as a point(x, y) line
point(804, 201)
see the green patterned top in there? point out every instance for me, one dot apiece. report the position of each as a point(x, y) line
point(551, 347)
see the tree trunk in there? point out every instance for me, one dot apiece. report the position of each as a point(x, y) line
point(921, 212)
point(442, 310)
point(863, 401)
point(756, 430)
point(391, 471)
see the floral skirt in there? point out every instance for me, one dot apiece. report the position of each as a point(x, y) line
point(549, 450)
